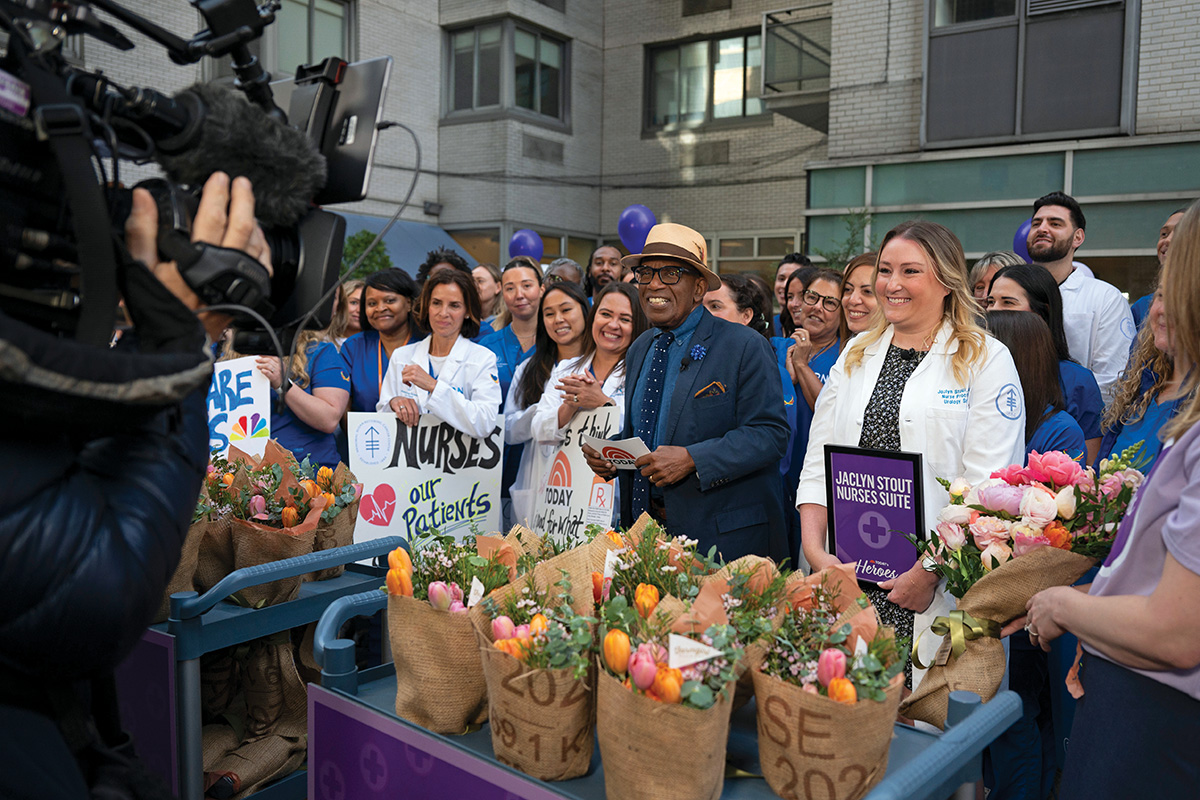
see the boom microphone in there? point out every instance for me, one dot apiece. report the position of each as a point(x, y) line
point(235, 136)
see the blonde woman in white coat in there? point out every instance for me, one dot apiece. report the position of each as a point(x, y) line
point(925, 379)
point(446, 374)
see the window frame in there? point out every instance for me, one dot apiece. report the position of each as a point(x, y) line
point(709, 121)
point(507, 107)
point(268, 53)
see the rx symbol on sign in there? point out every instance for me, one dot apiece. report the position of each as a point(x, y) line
point(873, 530)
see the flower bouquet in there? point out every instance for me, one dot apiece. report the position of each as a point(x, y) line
point(431, 625)
point(827, 692)
point(537, 662)
point(336, 527)
point(667, 674)
point(1002, 541)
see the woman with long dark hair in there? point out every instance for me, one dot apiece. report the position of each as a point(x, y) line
point(562, 333)
point(388, 323)
point(1029, 287)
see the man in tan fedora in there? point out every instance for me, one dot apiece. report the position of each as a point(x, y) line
point(704, 395)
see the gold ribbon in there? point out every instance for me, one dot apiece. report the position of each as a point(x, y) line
point(962, 628)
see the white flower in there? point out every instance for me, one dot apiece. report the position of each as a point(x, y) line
point(1039, 505)
point(1065, 500)
point(668, 568)
point(956, 515)
point(959, 487)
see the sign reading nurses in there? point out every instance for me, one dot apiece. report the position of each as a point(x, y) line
point(874, 500)
point(574, 496)
point(430, 476)
point(239, 407)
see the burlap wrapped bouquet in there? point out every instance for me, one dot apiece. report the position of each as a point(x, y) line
point(972, 657)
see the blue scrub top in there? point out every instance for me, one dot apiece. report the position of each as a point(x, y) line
point(485, 330)
point(325, 370)
point(509, 355)
point(821, 364)
point(1141, 310)
point(366, 363)
point(1057, 432)
point(790, 407)
point(1144, 430)
point(1082, 395)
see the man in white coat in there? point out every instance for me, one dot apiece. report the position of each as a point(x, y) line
point(1096, 316)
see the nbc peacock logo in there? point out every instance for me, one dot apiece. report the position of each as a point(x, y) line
point(252, 427)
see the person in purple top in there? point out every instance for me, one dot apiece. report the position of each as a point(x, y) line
point(1139, 622)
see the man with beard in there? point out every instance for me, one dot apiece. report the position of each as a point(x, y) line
point(604, 267)
point(1096, 315)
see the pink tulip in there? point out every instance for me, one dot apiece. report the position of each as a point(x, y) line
point(457, 608)
point(456, 592)
point(502, 628)
point(811, 688)
point(257, 507)
point(439, 596)
point(642, 667)
point(831, 664)
point(952, 536)
point(521, 632)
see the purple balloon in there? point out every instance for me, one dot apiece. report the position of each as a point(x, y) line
point(526, 243)
point(1021, 241)
point(634, 225)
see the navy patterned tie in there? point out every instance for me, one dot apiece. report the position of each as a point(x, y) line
point(647, 421)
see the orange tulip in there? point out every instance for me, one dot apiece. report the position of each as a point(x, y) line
point(227, 479)
point(614, 537)
point(668, 684)
point(505, 646)
point(539, 624)
point(290, 517)
point(842, 690)
point(399, 583)
point(597, 587)
point(324, 476)
point(310, 487)
point(616, 651)
point(398, 559)
point(523, 647)
point(645, 599)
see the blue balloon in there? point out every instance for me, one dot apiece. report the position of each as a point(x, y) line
point(526, 243)
point(634, 225)
point(1021, 241)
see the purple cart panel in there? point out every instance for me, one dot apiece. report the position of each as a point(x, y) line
point(146, 692)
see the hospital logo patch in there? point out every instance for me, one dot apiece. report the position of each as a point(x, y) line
point(1009, 401)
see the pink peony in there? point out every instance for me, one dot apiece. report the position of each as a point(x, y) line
point(1056, 466)
point(1111, 485)
point(972, 498)
point(995, 554)
point(1039, 505)
point(1002, 498)
point(1013, 475)
point(1024, 541)
point(988, 530)
point(953, 536)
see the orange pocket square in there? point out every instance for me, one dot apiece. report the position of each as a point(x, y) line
point(712, 390)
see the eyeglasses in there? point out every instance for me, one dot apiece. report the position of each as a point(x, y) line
point(667, 275)
point(554, 278)
point(828, 303)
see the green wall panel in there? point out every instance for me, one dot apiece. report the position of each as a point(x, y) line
point(979, 230)
point(963, 180)
point(841, 187)
point(1123, 226)
point(826, 233)
point(1125, 170)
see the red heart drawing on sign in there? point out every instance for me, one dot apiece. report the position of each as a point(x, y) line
point(378, 506)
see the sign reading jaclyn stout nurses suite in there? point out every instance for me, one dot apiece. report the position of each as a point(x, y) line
point(874, 500)
point(425, 477)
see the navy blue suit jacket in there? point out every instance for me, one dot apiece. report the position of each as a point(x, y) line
point(734, 498)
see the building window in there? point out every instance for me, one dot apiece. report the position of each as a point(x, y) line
point(992, 63)
point(693, 83)
point(505, 65)
point(298, 38)
point(737, 252)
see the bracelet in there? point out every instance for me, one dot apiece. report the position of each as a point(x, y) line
point(928, 564)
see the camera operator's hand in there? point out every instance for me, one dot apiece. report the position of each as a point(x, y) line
point(225, 217)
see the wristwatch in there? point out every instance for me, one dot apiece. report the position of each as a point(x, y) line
point(928, 564)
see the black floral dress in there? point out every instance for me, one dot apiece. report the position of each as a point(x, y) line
point(881, 431)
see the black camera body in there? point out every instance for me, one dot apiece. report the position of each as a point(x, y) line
point(62, 213)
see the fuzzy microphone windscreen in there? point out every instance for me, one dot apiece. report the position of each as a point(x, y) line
point(237, 137)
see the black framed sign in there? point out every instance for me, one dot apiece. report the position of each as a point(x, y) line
point(875, 497)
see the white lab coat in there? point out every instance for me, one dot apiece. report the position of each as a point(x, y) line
point(1099, 327)
point(959, 434)
point(467, 394)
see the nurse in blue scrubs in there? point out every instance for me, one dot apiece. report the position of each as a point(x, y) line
point(513, 341)
point(1147, 396)
point(388, 323)
point(1027, 287)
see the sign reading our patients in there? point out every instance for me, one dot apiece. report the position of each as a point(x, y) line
point(573, 496)
point(875, 499)
point(239, 407)
point(430, 476)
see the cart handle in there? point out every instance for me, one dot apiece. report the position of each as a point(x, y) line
point(186, 605)
point(355, 605)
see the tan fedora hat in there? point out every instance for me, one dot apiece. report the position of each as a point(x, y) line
point(669, 240)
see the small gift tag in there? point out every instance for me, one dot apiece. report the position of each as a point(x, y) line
point(943, 654)
point(476, 592)
point(610, 562)
point(683, 652)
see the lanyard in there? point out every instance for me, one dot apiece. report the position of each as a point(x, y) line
point(432, 374)
point(379, 364)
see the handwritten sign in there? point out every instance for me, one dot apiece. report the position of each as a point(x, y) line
point(683, 652)
point(573, 496)
point(239, 407)
point(622, 452)
point(875, 499)
point(428, 476)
